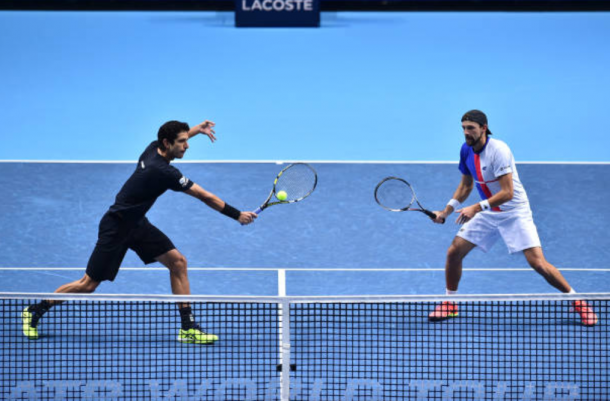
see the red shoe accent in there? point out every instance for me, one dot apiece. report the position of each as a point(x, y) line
point(443, 311)
point(587, 316)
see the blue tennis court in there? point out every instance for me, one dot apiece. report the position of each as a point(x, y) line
point(337, 242)
point(84, 94)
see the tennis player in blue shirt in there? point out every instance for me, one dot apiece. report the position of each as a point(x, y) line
point(125, 226)
point(503, 212)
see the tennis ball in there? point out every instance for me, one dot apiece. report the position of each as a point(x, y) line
point(282, 195)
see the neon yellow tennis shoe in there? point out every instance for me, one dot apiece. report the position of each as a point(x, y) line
point(195, 335)
point(28, 330)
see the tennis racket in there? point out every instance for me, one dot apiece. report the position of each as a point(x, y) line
point(397, 195)
point(296, 182)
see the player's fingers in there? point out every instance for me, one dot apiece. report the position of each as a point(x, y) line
point(439, 218)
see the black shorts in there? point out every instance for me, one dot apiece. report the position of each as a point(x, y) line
point(116, 236)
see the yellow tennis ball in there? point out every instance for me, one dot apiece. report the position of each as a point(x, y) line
point(282, 195)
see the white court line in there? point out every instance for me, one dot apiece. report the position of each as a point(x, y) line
point(281, 282)
point(304, 269)
point(297, 161)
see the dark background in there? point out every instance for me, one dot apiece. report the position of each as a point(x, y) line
point(326, 5)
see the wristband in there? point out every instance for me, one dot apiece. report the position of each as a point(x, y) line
point(484, 205)
point(230, 211)
point(454, 203)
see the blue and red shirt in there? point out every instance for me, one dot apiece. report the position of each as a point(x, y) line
point(487, 166)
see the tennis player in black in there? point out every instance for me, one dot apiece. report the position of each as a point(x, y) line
point(125, 226)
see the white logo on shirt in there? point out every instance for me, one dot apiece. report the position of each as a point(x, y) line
point(184, 181)
point(142, 164)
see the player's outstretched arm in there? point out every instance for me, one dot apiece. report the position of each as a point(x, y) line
point(219, 205)
point(206, 128)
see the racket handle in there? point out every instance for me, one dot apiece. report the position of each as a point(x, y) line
point(432, 215)
point(429, 214)
point(257, 212)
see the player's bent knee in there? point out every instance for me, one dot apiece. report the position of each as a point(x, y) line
point(454, 253)
point(175, 262)
point(537, 263)
point(178, 265)
point(539, 266)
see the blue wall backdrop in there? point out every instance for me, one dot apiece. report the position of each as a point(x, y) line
point(365, 86)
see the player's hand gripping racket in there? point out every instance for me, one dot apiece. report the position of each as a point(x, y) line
point(293, 184)
point(397, 195)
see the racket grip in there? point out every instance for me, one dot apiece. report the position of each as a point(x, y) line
point(432, 215)
point(257, 212)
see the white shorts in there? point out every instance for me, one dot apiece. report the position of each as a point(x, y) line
point(515, 226)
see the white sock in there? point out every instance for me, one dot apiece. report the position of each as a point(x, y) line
point(572, 291)
point(449, 292)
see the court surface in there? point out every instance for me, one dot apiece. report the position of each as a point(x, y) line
point(330, 244)
point(370, 87)
point(365, 96)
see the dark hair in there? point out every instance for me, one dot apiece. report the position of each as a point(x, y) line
point(477, 116)
point(170, 131)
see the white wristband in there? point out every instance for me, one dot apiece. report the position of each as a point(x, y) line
point(454, 203)
point(484, 205)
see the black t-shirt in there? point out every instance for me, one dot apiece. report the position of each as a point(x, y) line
point(152, 177)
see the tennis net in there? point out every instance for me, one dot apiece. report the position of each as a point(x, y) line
point(111, 347)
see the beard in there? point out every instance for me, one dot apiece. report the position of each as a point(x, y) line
point(470, 141)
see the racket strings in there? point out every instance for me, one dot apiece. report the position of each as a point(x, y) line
point(298, 181)
point(395, 195)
